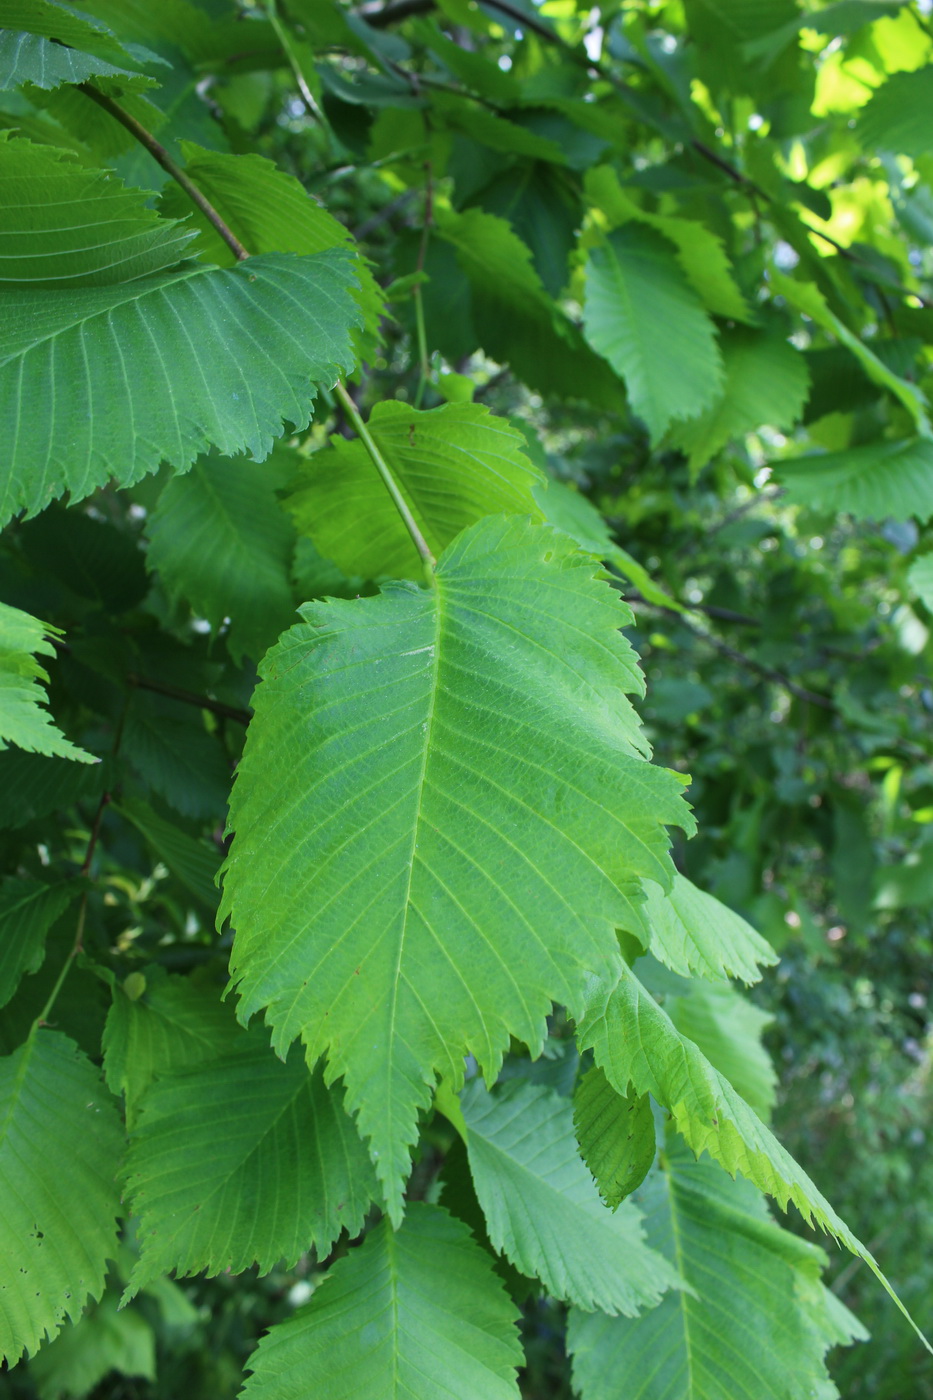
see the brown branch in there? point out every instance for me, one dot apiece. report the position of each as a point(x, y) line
point(160, 154)
point(188, 697)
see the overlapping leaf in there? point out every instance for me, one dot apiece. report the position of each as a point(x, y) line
point(651, 327)
point(28, 909)
point(220, 539)
point(635, 1043)
point(753, 1321)
point(59, 1146)
point(899, 115)
point(150, 361)
point(727, 1028)
point(439, 816)
point(616, 1134)
point(453, 465)
point(871, 482)
point(172, 1025)
point(516, 321)
point(694, 934)
point(413, 1314)
point(766, 383)
point(23, 720)
point(241, 1160)
point(31, 58)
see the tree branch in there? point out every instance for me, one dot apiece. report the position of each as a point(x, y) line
point(160, 154)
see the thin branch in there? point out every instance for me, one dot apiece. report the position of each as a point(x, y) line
point(160, 154)
point(188, 697)
point(388, 480)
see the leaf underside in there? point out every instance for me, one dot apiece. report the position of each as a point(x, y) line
point(501, 812)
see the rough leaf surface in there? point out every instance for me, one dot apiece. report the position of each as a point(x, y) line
point(616, 1134)
point(60, 1143)
point(543, 1210)
point(499, 811)
point(413, 1314)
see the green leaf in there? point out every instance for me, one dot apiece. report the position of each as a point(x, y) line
point(177, 758)
point(616, 1134)
point(135, 367)
point(193, 862)
point(569, 510)
point(651, 327)
point(899, 116)
point(32, 785)
point(766, 383)
point(63, 226)
point(219, 538)
point(542, 1208)
point(516, 322)
point(700, 252)
point(920, 578)
point(415, 1314)
point(727, 1028)
point(106, 1339)
point(753, 1321)
point(65, 25)
point(501, 813)
point(28, 909)
point(636, 1043)
point(807, 298)
point(694, 934)
point(453, 465)
point(30, 58)
point(243, 1160)
point(23, 721)
point(174, 1025)
point(270, 212)
point(872, 482)
point(59, 1145)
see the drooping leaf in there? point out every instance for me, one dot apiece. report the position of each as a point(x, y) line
point(871, 482)
point(28, 909)
point(766, 384)
point(700, 251)
point(270, 212)
point(807, 298)
point(241, 1160)
point(753, 1321)
point(178, 759)
point(727, 1028)
point(635, 1043)
point(694, 934)
point(193, 862)
point(453, 465)
point(649, 324)
point(172, 1025)
point(413, 1314)
point(59, 1223)
point(516, 322)
point(616, 1134)
point(107, 1338)
point(899, 115)
point(575, 514)
point(139, 366)
point(220, 539)
point(542, 1208)
point(32, 785)
point(501, 811)
point(23, 720)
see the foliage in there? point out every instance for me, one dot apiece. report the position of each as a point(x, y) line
point(471, 419)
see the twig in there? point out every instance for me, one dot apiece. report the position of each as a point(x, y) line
point(388, 480)
point(188, 697)
point(160, 154)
